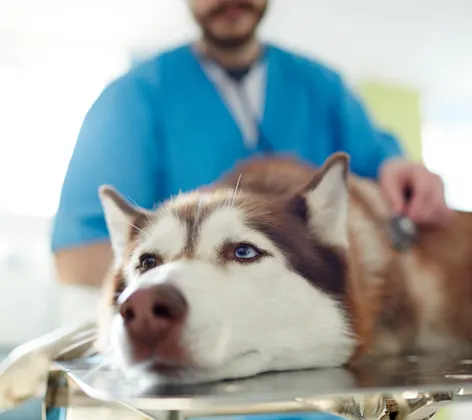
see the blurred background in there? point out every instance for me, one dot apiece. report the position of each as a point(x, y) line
point(411, 61)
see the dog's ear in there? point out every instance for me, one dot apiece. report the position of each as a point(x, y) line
point(122, 219)
point(323, 202)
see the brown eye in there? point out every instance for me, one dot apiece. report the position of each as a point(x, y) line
point(147, 262)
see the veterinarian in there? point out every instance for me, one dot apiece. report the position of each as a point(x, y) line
point(182, 118)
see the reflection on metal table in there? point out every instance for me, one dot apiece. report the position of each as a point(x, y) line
point(412, 388)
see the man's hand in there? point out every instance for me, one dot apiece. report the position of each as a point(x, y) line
point(426, 204)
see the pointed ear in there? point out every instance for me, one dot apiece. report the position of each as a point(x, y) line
point(326, 200)
point(122, 219)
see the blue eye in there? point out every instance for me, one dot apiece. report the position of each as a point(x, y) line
point(246, 252)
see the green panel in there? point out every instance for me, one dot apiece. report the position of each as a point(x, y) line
point(397, 109)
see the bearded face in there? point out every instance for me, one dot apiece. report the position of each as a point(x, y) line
point(228, 23)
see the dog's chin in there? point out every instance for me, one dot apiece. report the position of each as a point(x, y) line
point(159, 372)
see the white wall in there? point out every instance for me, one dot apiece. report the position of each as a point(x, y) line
point(424, 43)
point(32, 302)
point(447, 145)
point(27, 289)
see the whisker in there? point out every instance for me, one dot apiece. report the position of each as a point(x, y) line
point(134, 202)
point(199, 209)
point(138, 229)
point(137, 205)
point(236, 189)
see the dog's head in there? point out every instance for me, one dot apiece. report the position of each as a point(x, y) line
point(228, 283)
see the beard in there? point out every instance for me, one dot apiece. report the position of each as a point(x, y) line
point(231, 42)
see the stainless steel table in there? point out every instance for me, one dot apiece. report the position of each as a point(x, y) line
point(412, 388)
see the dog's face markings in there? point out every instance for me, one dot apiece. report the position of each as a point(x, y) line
point(263, 277)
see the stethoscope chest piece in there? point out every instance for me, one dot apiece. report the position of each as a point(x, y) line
point(403, 232)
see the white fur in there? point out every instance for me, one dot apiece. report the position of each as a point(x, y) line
point(329, 203)
point(243, 318)
point(167, 236)
point(119, 226)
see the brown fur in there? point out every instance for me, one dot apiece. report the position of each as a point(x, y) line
point(398, 301)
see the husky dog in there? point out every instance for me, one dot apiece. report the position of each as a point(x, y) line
point(279, 265)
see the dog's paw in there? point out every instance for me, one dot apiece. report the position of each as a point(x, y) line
point(22, 376)
point(23, 373)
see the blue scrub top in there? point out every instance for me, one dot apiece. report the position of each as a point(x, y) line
point(164, 127)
